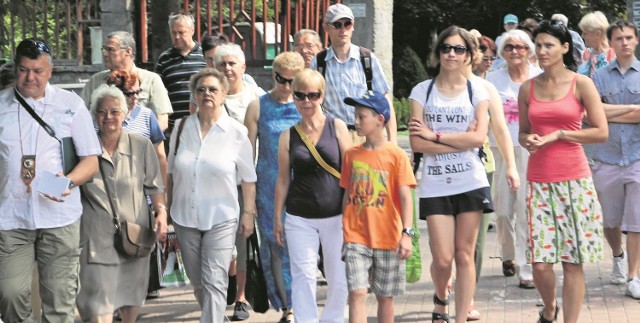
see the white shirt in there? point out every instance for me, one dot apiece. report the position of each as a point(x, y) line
point(238, 103)
point(204, 172)
point(508, 91)
point(450, 173)
point(66, 113)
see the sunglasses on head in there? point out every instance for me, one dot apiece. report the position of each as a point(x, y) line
point(337, 25)
point(132, 93)
point(281, 80)
point(458, 49)
point(518, 48)
point(32, 48)
point(300, 96)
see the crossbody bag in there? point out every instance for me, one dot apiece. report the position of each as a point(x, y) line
point(315, 153)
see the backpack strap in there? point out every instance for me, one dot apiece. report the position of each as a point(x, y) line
point(183, 120)
point(470, 90)
point(320, 61)
point(365, 60)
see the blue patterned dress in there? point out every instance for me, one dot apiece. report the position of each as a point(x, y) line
point(274, 119)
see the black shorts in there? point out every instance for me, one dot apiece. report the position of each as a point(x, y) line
point(478, 199)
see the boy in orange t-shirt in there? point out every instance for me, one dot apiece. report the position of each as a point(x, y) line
point(377, 211)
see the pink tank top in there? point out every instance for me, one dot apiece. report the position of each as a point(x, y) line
point(561, 160)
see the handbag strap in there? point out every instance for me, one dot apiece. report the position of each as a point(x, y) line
point(116, 220)
point(315, 153)
point(34, 115)
point(252, 240)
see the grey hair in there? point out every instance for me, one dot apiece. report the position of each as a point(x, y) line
point(104, 91)
point(594, 21)
point(125, 40)
point(229, 50)
point(181, 17)
point(561, 18)
point(517, 35)
point(302, 32)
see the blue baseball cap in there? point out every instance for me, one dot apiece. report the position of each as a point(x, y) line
point(510, 18)
point(373, 100)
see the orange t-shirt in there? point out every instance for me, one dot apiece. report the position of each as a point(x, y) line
point(374, 177)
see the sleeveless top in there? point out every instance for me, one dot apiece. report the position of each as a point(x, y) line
point(561, 160)
point(313, 192)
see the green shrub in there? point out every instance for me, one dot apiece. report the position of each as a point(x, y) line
point(408, 71)
point(403, 112)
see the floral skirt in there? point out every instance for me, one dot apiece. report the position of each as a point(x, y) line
point(565, 222)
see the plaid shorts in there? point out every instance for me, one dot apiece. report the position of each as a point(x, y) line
point(379, 268)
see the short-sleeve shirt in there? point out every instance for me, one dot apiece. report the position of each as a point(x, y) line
point(372, 216)
point(237, 104)
point(623, 146)
point(458, 172)
point(204, 172)
point(142, 121)
point(153, 96)
point(20, 135)
point(175, 71)
point(347, 79)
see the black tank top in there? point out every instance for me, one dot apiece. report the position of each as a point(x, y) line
point(313, 192)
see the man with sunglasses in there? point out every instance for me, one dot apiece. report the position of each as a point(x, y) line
point(39, 229)
point(118, 53)
point(345, 73)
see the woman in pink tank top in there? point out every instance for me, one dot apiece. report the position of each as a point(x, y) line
point(565, 220)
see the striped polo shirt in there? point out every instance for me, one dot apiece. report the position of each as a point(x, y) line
point(175, 71)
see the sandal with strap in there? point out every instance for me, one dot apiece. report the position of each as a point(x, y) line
point(542, 319)
point(440, 316)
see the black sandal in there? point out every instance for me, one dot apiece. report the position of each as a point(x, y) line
point(440, 316)
point(555, 316)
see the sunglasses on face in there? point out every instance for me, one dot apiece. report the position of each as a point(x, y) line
point(488, 58)
point(32, 48)
point(105, 113)
point(338, 24)
point(458, 49)
point(202, 90)
point(300, 96)
point(132, 93)
point(281, 80)
point(518, 48)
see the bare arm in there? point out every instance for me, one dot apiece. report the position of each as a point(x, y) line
point(342, 133)
point(247, 222)
point(160, 225)
point(404, 245)
point(418, 133)
point(282, 186)
point(392, 125)
point(251, 122)
point(162, 159)
point(622, 113)
point(163, 121)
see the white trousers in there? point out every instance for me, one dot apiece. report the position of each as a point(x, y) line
point(303, 240)
point(510, 209)
point(206, 256)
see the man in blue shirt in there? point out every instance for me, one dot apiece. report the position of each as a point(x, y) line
point(616, 169)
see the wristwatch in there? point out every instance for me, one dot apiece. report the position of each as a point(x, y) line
point(409, 231)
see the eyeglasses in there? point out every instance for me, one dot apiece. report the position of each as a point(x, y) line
point(281, 80)
point(518, 48)
point(132, 93)
point(458, 49)
point(202, 90)
point(113, 113)
point(300, 96)
point(307, 46)
point(110, 49)
point(337, 25)
point(488, 58)
point(32, 48)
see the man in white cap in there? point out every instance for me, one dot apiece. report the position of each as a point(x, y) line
point(345, 74)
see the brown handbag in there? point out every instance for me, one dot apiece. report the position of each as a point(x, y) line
point(130, 240)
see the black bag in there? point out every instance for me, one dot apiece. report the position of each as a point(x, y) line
point(256, 291)
point(68, 150)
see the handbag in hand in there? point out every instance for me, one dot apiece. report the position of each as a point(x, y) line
point(131, 240)
point(257, 295)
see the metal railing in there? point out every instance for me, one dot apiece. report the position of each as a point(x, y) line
point(263, 28)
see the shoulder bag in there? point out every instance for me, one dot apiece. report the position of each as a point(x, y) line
point(315, 153)
point(130, 240)
point(69, 156)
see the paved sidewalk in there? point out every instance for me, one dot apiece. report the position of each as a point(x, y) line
point(497, 298)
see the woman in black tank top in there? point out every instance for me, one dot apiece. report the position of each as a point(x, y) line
point(312, 197)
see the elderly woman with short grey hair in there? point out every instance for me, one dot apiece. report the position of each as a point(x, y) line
point(129, 172)
point(208, 155)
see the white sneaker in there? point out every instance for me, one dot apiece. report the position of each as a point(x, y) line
point(633, 288)
point(619, 271)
